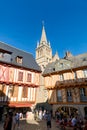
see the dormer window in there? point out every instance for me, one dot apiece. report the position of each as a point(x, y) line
point(19, 59)
point(1, 54)
point(75, 75)
point(85, 73)
point(61, 77)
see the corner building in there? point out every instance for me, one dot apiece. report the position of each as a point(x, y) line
point(19, 79)
point(66, 82)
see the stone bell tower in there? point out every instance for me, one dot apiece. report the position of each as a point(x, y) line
point(43, 57)
point(43, 51)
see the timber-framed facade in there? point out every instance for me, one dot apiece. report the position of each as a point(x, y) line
point(66, 82)
point(19, 78)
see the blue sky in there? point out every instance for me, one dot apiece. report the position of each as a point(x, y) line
point(65, 23)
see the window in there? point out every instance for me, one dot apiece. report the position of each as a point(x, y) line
point(61, 77)
point(11, 90)
point(4, 53)
point(85, 73)
point(19, 59)
point(20, 76)
point(69, 94)
point(82, 91)
point(1, 54)
point(15, 91)
point(29, 76)
point(75, 75)
point(59, 95)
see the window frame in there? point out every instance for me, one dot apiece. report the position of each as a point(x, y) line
point(59, 96)
point(29, 77)
point(20, 76)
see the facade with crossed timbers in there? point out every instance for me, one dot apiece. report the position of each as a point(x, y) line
point(66, 82)
point(19, 78)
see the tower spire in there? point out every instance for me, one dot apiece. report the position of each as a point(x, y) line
point(43, 36)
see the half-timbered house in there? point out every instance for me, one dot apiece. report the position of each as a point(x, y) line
point(19, 78)
point(66, 82)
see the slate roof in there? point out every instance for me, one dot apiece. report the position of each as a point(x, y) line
point(66, 64)
point(28, 60)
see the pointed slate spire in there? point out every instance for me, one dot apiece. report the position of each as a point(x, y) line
point(43, 36)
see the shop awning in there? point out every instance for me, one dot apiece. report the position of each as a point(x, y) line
point(20, 105)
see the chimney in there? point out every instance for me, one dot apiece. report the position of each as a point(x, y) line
point(68, 54)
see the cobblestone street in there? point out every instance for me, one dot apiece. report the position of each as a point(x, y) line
point(33, 125)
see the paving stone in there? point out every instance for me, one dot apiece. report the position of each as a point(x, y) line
point(33, 125)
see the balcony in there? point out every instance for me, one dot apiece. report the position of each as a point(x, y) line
point(71, 83)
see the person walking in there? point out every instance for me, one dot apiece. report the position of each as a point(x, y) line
point(14, 121)
point(48, 119)
point(8, 122)
point(74, 122)
point(17, 119)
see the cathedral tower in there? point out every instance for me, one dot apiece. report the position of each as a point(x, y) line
point(43, 57)
point(43, 51)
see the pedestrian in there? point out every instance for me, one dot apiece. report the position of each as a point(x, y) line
point(48, 119)
point(14, 122)
point(85, 124)
point(17, 119)
point(74, 122)
point(8, 121)
point(21, 115)
point(40, 114)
